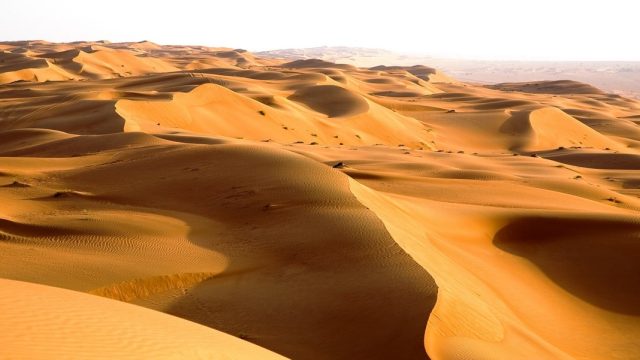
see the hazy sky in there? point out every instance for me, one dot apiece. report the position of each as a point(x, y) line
point(484, 29)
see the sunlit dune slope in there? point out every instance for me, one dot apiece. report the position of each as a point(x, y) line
point(316, 210)
point(218, 231)
point(42, 322)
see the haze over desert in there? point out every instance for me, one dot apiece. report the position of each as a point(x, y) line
point(198, 202)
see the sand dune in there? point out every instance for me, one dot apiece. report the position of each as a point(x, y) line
point(565, 87)
point(315, 63)
point(316, 210)
point(41, 70)
point(47, 322)
point(331, 100)
point(620, 77)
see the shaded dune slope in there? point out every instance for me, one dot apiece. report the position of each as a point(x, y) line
point(284, 270)
point(317, 210)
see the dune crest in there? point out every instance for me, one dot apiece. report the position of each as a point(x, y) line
point(309, 210)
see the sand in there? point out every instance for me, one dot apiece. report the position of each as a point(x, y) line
point(619, 77)
point(43, 322)
point(309, 210)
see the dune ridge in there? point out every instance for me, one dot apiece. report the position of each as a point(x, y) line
point(309, 210)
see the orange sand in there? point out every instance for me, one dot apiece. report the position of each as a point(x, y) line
point(316, 210)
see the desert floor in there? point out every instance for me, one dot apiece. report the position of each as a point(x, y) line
point(309, 210)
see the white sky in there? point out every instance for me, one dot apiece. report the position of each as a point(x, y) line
point(482, 29)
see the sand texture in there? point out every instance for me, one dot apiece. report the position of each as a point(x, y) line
point(303, 209)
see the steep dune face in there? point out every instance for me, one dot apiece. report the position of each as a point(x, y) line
point(524, 130)
point(567, 256)
point(70, 116)
point(208, 108)
point(550, 128)
point(202, 110)
point(33, 70)
point(317, 210)
point(244, 262)
point(107, 63)
point(92, 62)
point(549, 265)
